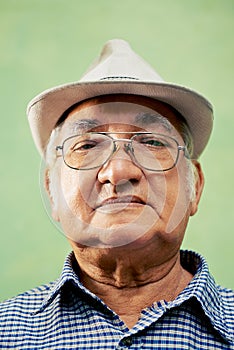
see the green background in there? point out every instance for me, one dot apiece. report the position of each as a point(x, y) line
point(50, 42)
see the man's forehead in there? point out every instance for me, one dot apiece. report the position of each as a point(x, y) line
point(136, 100)
point(128, 109)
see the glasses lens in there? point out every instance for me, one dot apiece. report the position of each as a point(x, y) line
point(87, 151)
point(151, 151)
point(155, 151)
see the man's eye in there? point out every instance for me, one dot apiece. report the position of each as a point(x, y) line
point(154, 143)
point(83, 146)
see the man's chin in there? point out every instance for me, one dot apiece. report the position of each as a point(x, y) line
point(111, 238)
point(111, 230)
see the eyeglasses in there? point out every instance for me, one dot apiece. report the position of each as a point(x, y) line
point(151, 151)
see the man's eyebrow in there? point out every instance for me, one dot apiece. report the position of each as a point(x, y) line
point(151, 118)
point(143, 119)
point(83, 125)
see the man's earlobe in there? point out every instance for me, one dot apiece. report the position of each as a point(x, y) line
point(199, 185)
point(53, 204)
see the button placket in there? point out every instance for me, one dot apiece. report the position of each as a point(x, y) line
point(126, 342)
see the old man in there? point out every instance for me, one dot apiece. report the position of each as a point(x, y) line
point(121, 149)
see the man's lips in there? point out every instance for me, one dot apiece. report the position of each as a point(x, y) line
point(121, 200)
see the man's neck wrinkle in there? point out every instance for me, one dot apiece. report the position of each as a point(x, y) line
point(127, 288)
point(125, 277)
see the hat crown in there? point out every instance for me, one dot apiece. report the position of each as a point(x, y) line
point(117, 61)
point(119, 70)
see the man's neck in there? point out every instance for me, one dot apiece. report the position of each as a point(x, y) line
point(128, 286)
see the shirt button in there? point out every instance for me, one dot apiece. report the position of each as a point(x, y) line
point(127, 341)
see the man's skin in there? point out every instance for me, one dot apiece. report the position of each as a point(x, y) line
point(124, 223)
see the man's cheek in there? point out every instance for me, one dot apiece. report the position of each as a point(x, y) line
point(158, 190)
point(78, 190)
point(170, 197)
point(180, 201)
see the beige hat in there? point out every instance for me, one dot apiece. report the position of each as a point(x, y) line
point(119, 69)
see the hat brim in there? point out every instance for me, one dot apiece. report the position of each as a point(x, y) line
point(45, 109)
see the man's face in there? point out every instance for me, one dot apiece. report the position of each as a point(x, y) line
point(120, 202)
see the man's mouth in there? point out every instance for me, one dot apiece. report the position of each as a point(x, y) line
point(121, 201)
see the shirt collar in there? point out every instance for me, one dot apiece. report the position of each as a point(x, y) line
point(68, 275)
point(202, 288)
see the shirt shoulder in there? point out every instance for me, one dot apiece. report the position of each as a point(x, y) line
point(225, 311)
point(27, 302)
point(226, 292)
point(227, 298)
point(217, 302)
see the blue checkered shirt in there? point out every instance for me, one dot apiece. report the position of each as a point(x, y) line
point(65, 315)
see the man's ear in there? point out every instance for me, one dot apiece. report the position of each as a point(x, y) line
point(53, 204)
point(199, 185)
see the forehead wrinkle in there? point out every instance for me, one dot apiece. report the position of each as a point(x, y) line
point(143, 119)
point(151, 118)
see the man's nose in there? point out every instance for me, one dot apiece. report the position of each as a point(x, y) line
point(119, 168)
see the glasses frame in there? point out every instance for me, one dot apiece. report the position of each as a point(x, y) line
point(128, 148)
